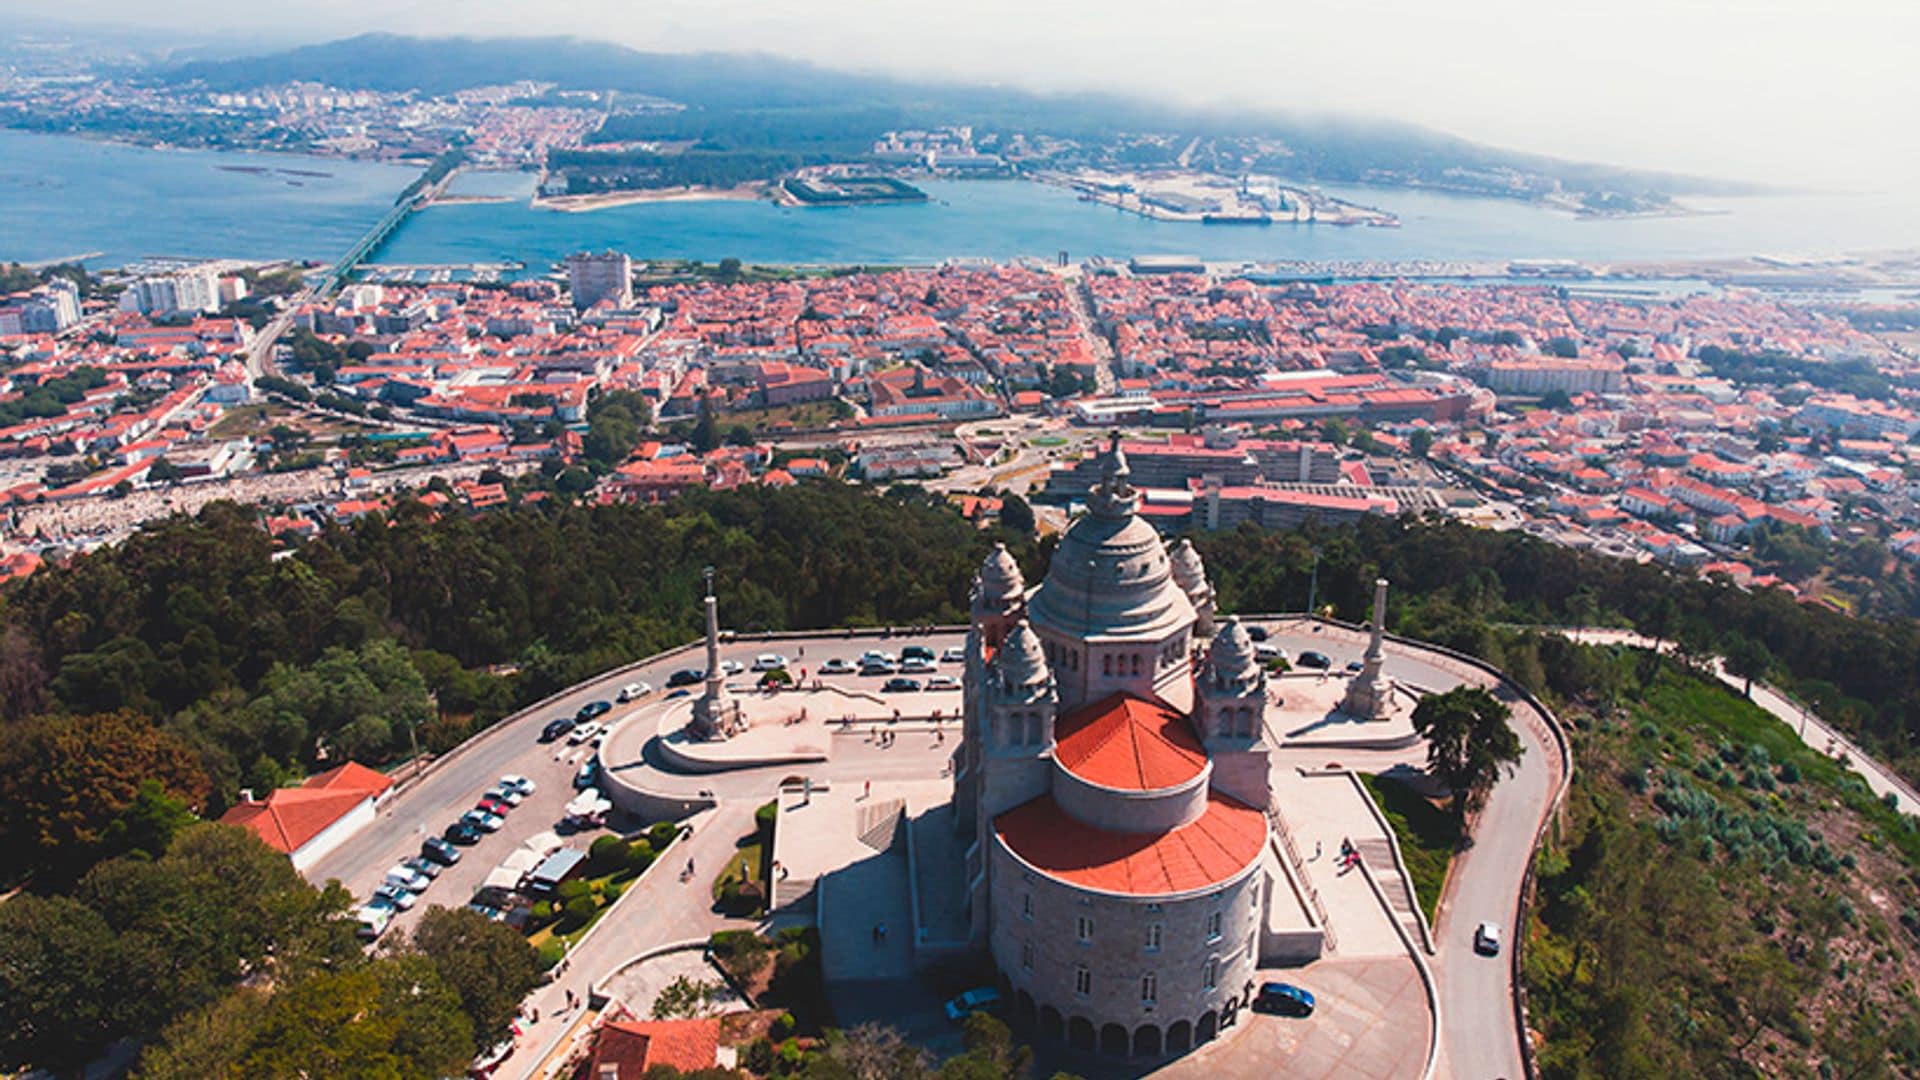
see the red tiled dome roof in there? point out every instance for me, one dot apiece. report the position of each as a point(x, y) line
point(1221, 843)
point(1129, 743)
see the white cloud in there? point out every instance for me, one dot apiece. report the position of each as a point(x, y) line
point(1761, 89)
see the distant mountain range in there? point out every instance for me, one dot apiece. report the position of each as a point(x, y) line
point(732, 85)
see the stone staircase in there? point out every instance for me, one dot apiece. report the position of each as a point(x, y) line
point(795, 895)
point(879, 823)
point(1379, 858)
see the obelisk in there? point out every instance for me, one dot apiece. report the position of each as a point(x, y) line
point(1370, 694)
point(716, 715)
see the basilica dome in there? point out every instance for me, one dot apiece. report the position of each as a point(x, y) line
point(1111, 578)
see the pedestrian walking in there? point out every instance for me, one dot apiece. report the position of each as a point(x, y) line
point(868, 793)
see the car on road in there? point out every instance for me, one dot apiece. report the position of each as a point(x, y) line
point(769, 661)
point(482, 820)
point(839, 665)
point(493, 806)
point(915, 666)
point(500, 793)
point(979, 999)
point(686, 677)
point(410, 880)
point(917, 652)
point(589, 772)
point(1486, 939)
point(556, 728)
point(1283, 999)
point(1257, 633)
point(425, 866)
point(900, 685)
point(397, 896)
point(462, 832)
point(632, 692)
point(955, 654)
point(878, 667)
point(436, 849)
point(680, 693)
point(1269, 653)
point(583, 733)
point(519, 783)
point(1313, 659)
point(593, 710)
point(943, 682)
point(731, 667)
point(876, 656)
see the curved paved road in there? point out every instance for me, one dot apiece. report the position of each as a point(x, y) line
point(1478, 1038)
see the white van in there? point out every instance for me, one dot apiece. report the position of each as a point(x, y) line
point(373, 922)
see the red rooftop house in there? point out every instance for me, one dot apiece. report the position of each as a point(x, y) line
point(308, 821)
point(626, 1049)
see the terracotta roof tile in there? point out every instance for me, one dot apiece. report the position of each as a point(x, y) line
point(1221, 843)
point(1130, 743)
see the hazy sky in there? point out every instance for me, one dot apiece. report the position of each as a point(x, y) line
point(1821, 93)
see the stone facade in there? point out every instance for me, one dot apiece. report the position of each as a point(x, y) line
point(1103, 743)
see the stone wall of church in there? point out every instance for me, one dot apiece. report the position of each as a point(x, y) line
point(1201, 949)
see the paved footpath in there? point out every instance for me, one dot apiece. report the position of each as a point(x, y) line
point(656, 910)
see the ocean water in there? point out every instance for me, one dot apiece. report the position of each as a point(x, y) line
point(61, 196)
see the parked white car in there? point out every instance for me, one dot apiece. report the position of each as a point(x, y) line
point(518, 783)
point(483, 821)
point(633, 691)
point(583, 733)
point(502, 793)
point(769, 661)
point(405, 877)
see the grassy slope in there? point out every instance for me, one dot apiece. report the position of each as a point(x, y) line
point(1723, 901)
point(1428, 836)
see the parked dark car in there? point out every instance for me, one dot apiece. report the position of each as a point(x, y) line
point(462, 833)
point(686, 677)
point(1257, 633)
point(900, 686)
point(1315, 660)
point(556, 728)
point(1283, 999)
point(589, 772)
point(438, 850)
point(592, 710)
point(917, 652)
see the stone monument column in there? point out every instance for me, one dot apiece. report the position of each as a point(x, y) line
point(716, 715)
point(1370, 694)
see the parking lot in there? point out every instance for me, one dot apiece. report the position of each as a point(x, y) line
point(515, 747)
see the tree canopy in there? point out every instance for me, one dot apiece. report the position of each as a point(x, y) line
point(1469, 742)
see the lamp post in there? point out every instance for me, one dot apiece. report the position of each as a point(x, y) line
point(1313, 582)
